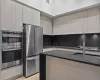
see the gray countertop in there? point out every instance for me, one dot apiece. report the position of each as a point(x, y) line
point(75, 48)
point(94, 60)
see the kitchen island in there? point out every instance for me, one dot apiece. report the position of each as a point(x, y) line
point(66, 65)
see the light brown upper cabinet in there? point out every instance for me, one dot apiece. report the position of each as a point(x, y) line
point(82, 19)
point(75, 24)
point(93, 21)
point(18, 17)
point(14, 14)
point(68, 24)
point(86, 21)
point(11, 15)
point(31, 16)
point(6, 15)
point(46, 24)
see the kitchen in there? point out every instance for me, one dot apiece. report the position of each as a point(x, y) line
point(76, 31)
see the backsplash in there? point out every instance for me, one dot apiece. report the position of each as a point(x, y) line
point(75, 40)
point(47, 40)
point(62, 40)
point(67, 40)
point(93, 40)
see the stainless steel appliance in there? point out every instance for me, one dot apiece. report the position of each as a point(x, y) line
point(32, 46)
point(10, 49)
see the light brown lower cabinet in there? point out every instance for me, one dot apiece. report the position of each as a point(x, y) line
point(62, 69)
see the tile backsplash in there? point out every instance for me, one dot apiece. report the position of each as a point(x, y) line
point(47, 40)
point(67, 40)
point(76, 40)
point(93, 40)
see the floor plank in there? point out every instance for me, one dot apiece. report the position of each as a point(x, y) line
point(34, 77)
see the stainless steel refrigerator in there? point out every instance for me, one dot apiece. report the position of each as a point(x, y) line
point(32, 46)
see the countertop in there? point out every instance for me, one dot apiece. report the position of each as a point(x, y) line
point(94, 60)
point(75, 48)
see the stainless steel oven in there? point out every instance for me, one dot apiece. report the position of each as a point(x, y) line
point(11, 48)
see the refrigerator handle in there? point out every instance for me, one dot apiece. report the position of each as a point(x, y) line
point(35, 41)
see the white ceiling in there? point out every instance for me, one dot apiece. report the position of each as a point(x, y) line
point(63, 6)
point(57, 7)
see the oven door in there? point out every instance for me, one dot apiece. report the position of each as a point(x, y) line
point(9, 58)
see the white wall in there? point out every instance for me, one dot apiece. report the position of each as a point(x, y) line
point(39, 4)
point(46, 23)
point(63, 6)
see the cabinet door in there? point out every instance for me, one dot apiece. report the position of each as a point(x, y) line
point(27, 15)
point(82, 18)
point(74, 17)
point(6, 15)
point(75, 28)
point(8, 73)
point(57, 31)
point(19, 70)
point(93, 25)
point(46, 24)
point(35, 17)
point(18, 17)
point(31, 16)
point(2, 77)
point(74, 24)
point(61, 25)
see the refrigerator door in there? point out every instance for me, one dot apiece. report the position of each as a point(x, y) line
point(30, 67)
point(32, 45)
point(39, 40)
point(37, 64)
point(29, 40)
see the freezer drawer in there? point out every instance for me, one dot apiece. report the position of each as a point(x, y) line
point(32, 65)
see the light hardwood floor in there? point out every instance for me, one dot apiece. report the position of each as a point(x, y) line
point(34, 77)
